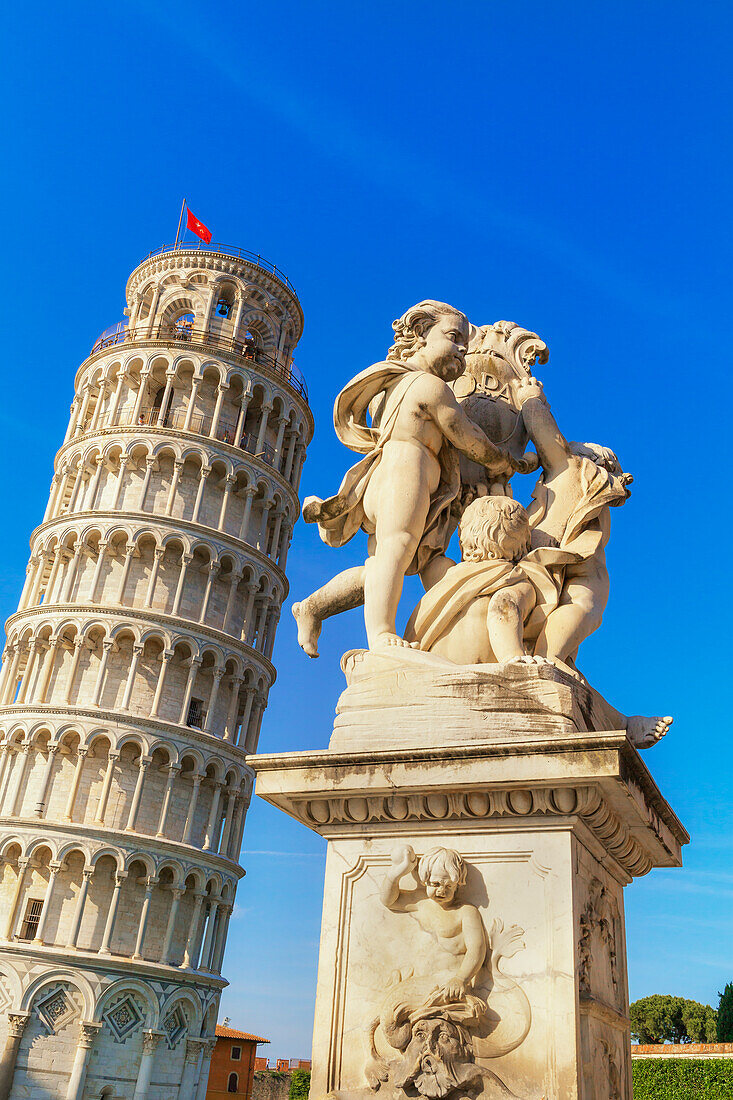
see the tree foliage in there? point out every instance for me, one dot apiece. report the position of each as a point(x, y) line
point(663, 1018)
point(300, 1084)
point(725, 1015)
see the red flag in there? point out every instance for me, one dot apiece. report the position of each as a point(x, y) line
point(197, 227)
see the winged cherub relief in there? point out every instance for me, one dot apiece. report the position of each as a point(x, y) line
point(444, 1025)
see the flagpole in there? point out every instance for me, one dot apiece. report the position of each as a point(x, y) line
point(178, 231)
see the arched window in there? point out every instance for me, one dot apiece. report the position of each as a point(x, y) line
point(233, 1082)
point(183, 326)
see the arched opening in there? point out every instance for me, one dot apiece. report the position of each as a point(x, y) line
point(233, 1082)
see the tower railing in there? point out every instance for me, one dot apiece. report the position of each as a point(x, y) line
point(227, 250)
point(242, 347)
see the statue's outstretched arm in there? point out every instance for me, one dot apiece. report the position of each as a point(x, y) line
point(552, 446)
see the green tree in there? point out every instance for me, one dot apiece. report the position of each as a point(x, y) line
point(725, 1015)
point(663, 1018)
point(300, 1084)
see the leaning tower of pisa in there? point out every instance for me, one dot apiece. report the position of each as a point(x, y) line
point(135, 676)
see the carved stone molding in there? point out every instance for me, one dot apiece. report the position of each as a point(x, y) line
point(585, 802)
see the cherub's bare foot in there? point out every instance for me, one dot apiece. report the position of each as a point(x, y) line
point(645, 732)
point(388, 640)
point(309, 627)
point(526, 659)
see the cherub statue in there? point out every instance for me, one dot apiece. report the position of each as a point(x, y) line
point(401, 492)
point(457, 926)
point(477, 612)
point(448, 1018)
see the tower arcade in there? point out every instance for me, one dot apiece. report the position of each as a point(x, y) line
point(135, 677)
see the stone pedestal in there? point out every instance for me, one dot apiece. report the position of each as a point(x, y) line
point(550, 819)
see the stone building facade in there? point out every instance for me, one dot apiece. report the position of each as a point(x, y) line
point(135, 676)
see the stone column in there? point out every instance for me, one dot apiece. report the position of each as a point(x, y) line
point(115, 407)
point(205, 958)
point(216, 682)
point(12, 675)
point(124, 459)
point(80, 903)
point(193, 668)
point(129, 551)
point(203, 475)
point(158, 555)
point(249, 494)
point(90, 505)
point(78, 646)
point(28, 672)
point(143, 764)
point(282, 424)
point(112, 758)
point(177, 892)
point(103, 544)
point(261, 541)
point(214, 568)
point(196, 779)
point(109, 927)
point(193, 928)
point(186, 560)
point(167, 656)
point(188, 1080)
point(169, 376)
point(151, 1039)
point(225, 913)
point(221, 390)
point(16, 1027)
point(87, 1034)
point(38, 579)
point(53, 648)
point(229, 483)
point(54, 868)
point(213, 816)
point(271, 543)
point(144, 375)
point(240, 419)
point(107, 646)
point(228, 812)
point(137, 652)
point(234, 578)
point(289, 456)
point(69, 812)
point(15, 904)
point(195, 383)
point(53, 748)
point(231, 723)
point(150, 463)
point(204, 1074)
point(266, 410)
point(58, 560)
point(145, 913)
point(177, 468)
point(17, 788)
point(173, 771)
point(249, 697)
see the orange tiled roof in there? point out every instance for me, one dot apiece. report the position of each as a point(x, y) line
point(230, 1033)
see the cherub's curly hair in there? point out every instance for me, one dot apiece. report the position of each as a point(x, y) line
point(411, 327)
point(442, 859)
point(494, 527)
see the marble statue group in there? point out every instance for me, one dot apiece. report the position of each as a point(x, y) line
point(444, 424)
point(484, 806)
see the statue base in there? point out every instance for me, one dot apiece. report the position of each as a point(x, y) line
point(550, 817)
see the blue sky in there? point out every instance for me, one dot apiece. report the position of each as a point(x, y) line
point(564, 166)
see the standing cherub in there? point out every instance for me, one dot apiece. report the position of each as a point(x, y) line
point(401, 492)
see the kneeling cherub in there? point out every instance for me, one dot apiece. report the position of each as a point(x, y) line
point(478, 611)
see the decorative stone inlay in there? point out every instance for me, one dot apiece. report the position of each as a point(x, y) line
point(124, 1018)
point(175, 1026)
point(56, 1010)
